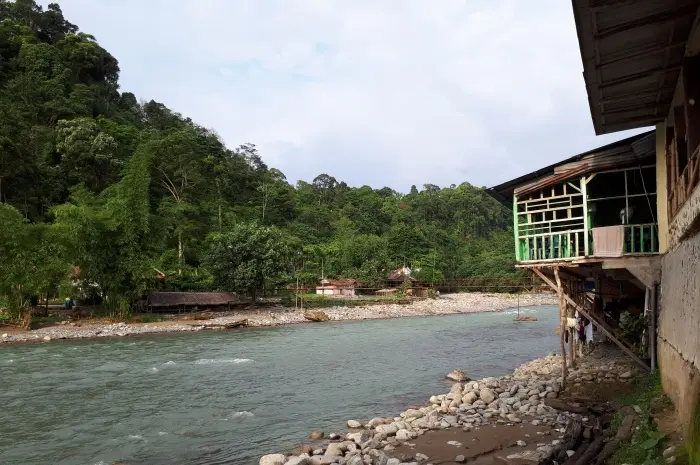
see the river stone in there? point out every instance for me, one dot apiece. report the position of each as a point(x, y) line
point(469, 398)
point(421, 457)
point(354, 460)
point(412, 413)
point(336, 449)
point(316, 435)
point(322, 460)
point(354, 424)
point(303, 459)
point(403, 435)
point(457, 375)
point(374, 422)
point(378, 457)
point(486, 395)
point(460, 459)
point(273, 459)
point(626, 375)
point(387, 430)
point(393, 461)
point(358, 438)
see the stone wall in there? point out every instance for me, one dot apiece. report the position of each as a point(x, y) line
point(679, 326)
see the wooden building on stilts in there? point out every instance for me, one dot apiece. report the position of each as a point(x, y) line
point(587, 226)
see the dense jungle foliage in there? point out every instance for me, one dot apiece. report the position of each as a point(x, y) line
point(122, 192)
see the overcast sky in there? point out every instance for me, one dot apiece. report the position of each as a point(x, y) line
point(377, 92)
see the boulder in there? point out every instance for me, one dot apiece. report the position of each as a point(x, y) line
point(403, 435)
point(457, 375)
point(273, 459)
point(316, 435)
point(300, 460)
point(387, 430)
point(316, 315)
point(469, 398)
point(412, 413)
point(358, 438)
point(374, 422)
point(487, 395)
point(460, 459)
point(626, 375)
point(354, 424)
point(336, 449)
point(354, 460)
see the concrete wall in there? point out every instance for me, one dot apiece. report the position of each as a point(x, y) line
point(679, 326)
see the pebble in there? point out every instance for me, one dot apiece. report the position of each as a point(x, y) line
point(669, 452)
point(460, 459)
point(469, 406)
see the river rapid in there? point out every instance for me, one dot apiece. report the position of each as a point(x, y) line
point(229, 397)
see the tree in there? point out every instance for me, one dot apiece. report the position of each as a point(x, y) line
point(244, 258)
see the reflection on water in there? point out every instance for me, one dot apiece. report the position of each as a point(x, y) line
point(229, 397)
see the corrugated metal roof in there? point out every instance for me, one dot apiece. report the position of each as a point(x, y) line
point(204, 299)
point(632, 52)
point(623, 153)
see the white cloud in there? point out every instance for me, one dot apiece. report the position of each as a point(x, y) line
point(375, 92)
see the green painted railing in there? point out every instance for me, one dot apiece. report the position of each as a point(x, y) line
point(641, 238)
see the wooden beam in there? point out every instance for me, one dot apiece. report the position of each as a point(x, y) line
point(691, 74)
point(562, 325)
point(656, 18)
point(640, 52)
point(656, 106)
point(637, 76)
point(592, 320)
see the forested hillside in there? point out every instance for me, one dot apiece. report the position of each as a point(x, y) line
point(127, 191)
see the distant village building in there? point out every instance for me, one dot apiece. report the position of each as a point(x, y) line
point(398, 277)
point(183, 301)
point(344, 287)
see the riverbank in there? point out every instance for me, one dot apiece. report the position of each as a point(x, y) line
point(509, 419)
point(445, 305)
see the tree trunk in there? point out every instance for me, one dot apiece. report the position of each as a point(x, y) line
point(562, 326)
point(179, 253)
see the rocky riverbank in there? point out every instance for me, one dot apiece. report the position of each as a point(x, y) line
point(446, 305)
point(509, 419)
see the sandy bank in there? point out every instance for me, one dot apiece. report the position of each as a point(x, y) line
point(446, 305)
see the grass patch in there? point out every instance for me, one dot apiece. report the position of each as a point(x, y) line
point(647, 443)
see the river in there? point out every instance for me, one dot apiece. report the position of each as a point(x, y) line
point(229, 397)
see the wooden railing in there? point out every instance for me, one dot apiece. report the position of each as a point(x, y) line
point(552, 246)
point(681, 185)
point(641, 238)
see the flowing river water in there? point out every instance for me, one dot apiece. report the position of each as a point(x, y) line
point(229, 397)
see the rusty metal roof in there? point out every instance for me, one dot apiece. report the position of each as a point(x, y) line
point(632, 52)
point(623, 153)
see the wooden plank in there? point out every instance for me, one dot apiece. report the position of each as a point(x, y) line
point(691, 88)
point(605, 331)
point(521, 202)
point(547, 233)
